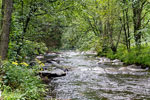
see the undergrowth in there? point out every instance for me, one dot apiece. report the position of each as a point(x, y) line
point(134, 56)
point(19, 82)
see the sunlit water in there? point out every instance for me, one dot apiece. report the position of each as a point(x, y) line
point(88, 81)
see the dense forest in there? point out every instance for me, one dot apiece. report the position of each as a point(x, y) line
point(116, 29)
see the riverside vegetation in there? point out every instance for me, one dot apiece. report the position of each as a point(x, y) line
point(112, 28)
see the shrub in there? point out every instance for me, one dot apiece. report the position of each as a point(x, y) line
point(27, 52)
point(135, 56)
point(21, 83)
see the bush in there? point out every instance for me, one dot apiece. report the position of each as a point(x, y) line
point(27, 52)
point(135, 56)
point(21, 83)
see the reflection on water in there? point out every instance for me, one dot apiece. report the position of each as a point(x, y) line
point(88, 81)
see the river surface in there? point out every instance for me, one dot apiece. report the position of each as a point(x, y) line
point(87, 80)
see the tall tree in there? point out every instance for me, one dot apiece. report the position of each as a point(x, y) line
point(138, 7)
point(2, 12)
point(8, 5)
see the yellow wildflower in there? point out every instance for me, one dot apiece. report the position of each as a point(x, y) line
point(38, 61)
point(41, 69)
point(25, 64)
point(42, 64)
point(15, 63)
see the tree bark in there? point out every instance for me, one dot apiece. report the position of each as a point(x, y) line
point(2, 12)
point(6, 28)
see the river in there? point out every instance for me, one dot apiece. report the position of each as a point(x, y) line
point(88, 81)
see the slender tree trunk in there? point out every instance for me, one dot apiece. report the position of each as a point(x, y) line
point(128, 29)
point(125, 30)
point(6, 29)
point(125, 25)
point(3, 4)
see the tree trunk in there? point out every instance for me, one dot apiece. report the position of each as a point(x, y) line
point(137, 19)
point(137, 25)
point(2, 12)
point(6, 29)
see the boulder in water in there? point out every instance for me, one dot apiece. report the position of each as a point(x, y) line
point(51, 55)
point(117, 62)
point(58, 73)
point(123, 69)
point(132, 68)
point(56, 64)
point(105, 61)
point(49, 60)
point(98, 70)
point(0, 94)
point(136, 68)
point(53, 73)
point(40, 57)
point(111, 69)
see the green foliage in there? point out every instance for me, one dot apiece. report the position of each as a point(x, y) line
point(28, 51)
point(134, 56)
point(105, 26)
point(21, 83)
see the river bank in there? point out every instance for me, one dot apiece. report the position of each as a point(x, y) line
point(134, 56)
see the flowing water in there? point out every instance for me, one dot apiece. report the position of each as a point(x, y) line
point(88, 80)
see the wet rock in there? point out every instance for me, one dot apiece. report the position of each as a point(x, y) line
point(0, 93)
point(123, 69)
point(48, 64)
point(116, 60)
point(58, 73)
point(98, 70)
point(132, 68)
point(49, 60)
point(45, 67)
point(56, 64)
point(105, 61)
point(90, 53)
point(136, 68)
point(54, 60)
point(111, 70)
point(58, 59)
point(117, 63)
point(54, 73)
point(40, 57)
point(66, 68)
point(83, 69)
point(51, 55)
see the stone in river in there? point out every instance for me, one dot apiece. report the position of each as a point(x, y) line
point(40, 57)
point(51, 55)
point(53, 73)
